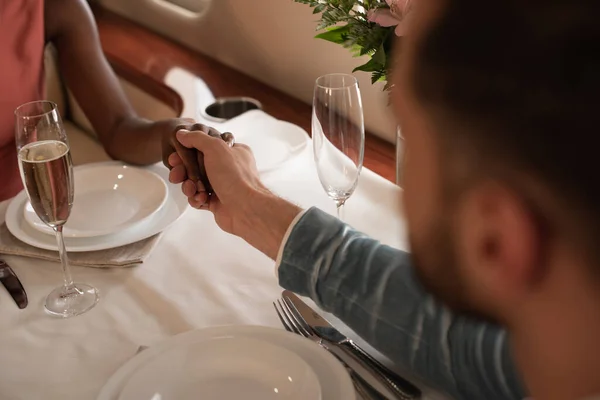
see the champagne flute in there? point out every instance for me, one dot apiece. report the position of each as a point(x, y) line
point(338, 134)
point(47, 174)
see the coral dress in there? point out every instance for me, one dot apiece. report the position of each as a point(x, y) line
point(21, 78)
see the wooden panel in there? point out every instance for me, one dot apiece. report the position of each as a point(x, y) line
point(147, 83)
point(143, 52)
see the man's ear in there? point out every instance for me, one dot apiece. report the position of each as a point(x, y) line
point(499, 245)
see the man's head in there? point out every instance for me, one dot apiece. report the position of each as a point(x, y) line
point(499, 103)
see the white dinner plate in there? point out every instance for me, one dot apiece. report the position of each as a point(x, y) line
point(224, 368)
point(333, 379)
point(174, 207)
point(273, 142)
point(108, 199)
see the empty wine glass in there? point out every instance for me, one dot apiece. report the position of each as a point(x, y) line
point(338, 135)
point(47, 174)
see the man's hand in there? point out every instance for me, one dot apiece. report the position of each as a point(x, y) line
point(231, 171)
point(240, 202)
point(187, 165)
point(183, 162)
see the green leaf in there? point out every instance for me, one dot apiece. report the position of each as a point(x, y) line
point(380, 55)
point(355, 49)
point(319, 8)
point(336, 34)
point(371, 66)
point(378, 76)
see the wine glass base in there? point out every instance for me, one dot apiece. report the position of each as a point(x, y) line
point(69, 302)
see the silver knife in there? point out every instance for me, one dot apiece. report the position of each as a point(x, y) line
point(13, 285)
point(322, 327)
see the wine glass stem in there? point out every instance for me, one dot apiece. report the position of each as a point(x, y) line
point(64, 260)
point(339, 205)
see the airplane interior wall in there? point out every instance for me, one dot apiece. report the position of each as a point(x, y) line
point(271, 40)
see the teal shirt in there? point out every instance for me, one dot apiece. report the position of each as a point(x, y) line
point(372, 288)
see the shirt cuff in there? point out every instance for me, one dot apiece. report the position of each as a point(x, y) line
point(285, 239)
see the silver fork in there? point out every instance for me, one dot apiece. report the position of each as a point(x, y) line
point(292, 323)
point(395, 384)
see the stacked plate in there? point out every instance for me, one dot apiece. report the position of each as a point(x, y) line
point(247, 362)
point(114, 205)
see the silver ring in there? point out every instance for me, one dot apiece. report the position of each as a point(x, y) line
point(228, 138)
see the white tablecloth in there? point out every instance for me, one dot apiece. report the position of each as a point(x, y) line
point(196, 277)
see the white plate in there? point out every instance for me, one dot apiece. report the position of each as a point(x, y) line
point(175, 206)
point(108, 199)
point(333, 378)
point(224, 368)
point(272, 141)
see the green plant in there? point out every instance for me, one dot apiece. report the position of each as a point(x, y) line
point(366, 27)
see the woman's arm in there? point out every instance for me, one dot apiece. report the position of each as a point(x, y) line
point(70, 26)
point(372, 288)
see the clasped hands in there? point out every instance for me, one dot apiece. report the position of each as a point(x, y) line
point(213, 175)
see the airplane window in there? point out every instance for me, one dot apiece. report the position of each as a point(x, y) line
point(188, 8)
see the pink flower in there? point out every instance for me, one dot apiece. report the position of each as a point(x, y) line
point(395, 15)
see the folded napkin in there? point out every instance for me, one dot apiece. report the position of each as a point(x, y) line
point(273, 142)
point(124, 256)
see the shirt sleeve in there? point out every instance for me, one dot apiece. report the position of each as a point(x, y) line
point(285, 239)
point(372, 288)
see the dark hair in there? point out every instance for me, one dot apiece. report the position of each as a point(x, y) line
point(519, 80)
